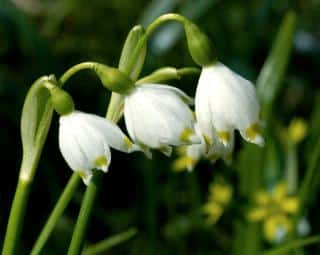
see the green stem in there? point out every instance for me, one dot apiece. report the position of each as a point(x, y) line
point(188, 71)
point(102, 246)
point(70, 72)
point(56, 213)
point(150, 29)
point(84, 215)
point(16, 217)
point(309, 183)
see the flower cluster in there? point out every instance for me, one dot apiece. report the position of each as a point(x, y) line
point(158, 117)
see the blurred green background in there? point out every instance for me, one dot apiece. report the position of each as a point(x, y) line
point(47, 37)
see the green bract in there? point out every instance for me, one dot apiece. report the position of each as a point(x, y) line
point(35, 122)
point(200, 46)
point(61, 100)
point(113, 79)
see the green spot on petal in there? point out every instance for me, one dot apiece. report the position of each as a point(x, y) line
point(252, 131)
point(224, 136)
point(186, 134)
point(207, 139)
point(127, 142)
point(100, 161)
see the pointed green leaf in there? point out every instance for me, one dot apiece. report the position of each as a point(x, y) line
point(271, 76)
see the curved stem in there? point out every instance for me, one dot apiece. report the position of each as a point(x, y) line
point(70, 72)
point(150, 29)
point(56, 213)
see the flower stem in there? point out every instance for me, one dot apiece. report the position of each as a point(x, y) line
point(16, 217)
point(188, 71)
point(56, 213)
point(149, 31)
point(80, 230)
point(70, 72)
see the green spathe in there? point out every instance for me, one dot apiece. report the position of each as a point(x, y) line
point(200, 46)
point(113, 79)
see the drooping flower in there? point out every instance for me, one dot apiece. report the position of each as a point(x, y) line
point(158, 117)
point(85, 141)
point(225, 102)
point(190, 155)
point(275, 209)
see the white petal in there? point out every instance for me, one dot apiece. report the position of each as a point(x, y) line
point(229, 100)
point(202, 108)
point(141, 121)
point(110, 132)
point(70, 148)
point(170, 89)
point(90, 141)
point(156, 115)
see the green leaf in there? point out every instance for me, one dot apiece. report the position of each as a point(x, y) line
point(35, 122)
point(289, 247)
point(103, 246)
point(270, 80)
point(132, 39)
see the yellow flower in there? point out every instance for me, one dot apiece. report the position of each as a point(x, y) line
point(220, 195)
point(297, 130)
point(276, 227)
point(275, 210)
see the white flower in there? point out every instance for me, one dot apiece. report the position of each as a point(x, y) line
point(224, 102)
point(157, 116)
point(84, 141)
point(195, 152)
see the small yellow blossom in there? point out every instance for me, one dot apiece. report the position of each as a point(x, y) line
point(297, 130)
point(275, 210)
point(220, 195)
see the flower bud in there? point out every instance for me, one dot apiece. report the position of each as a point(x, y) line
point(62, 102)
point(200, 46)
point(113, 79)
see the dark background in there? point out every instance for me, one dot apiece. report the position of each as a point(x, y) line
point(47, 37)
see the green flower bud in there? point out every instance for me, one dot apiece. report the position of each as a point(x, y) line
point(61, 100)
point(200, 46)
point(113, 79)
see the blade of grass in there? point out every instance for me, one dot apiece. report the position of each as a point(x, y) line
point(104, 245)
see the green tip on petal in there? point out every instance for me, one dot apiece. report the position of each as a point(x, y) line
point(253, 134)
point(224, 136)
point(188, 136)
point(101, 162)
point(86, 177)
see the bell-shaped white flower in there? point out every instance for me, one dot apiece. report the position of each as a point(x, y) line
point(157, 116)
point(85, 141)
point(224, 102)
point(195, 152)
